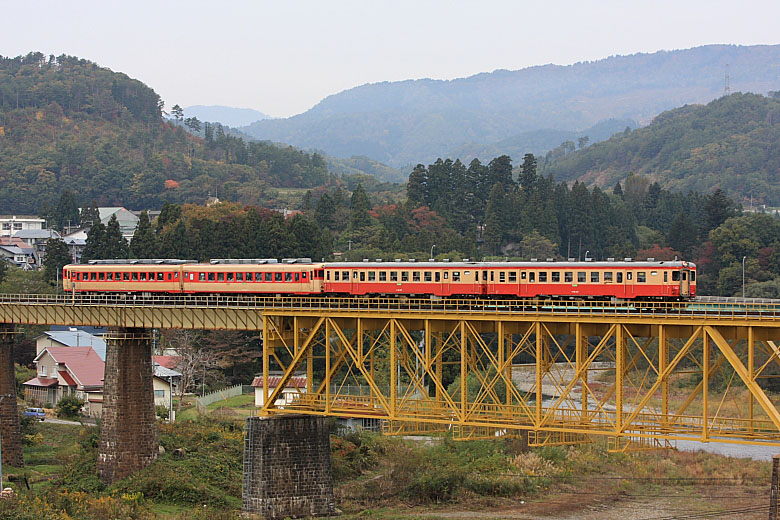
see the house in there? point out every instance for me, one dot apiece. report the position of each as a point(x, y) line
point(76, 243)
point(295, 386)
point(11, 224)
point(62, 371)
point(70, 338)
point(165, 381)
point(37, 239)
point(128, 221)
point(166, 361)
point(23, 257)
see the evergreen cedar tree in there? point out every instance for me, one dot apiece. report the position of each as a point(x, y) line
point(56, 257)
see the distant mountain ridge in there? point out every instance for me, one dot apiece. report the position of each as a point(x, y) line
point(229, 116)
point(407, 122)
point(731, 143)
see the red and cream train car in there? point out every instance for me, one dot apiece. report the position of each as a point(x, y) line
point(581, 280)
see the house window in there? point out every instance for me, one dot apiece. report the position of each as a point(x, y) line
point(43, 370)
point(158, 394)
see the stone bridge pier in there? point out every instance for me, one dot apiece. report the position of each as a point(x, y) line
point(128, 430)
point(9, 415)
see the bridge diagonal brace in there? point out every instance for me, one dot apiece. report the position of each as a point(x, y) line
point(739, 368)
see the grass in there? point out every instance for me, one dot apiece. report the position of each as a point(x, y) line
point(241, 406)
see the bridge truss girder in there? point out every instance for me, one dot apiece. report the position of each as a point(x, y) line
point(640, 383)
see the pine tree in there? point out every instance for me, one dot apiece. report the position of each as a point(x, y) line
point(144, 242)
point(417, 187)
point(528, 175)
point(114, 244)
point(90, 215)
point(67, 212)
point(359, 205)
point(325, 211)
point(94, 248)
point(494, 218)
point(169, 214)
point(174, 243)
point(57, 256)
point(3, 270)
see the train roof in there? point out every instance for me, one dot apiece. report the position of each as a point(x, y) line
point(521, 265)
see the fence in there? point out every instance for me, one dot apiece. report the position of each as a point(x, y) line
point(220, 395)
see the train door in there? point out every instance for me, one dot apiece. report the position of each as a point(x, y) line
point(685, 282)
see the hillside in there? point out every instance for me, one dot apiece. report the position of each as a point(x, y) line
point(67, 123)
point(228, 116)
point(730, 143)
point(413, 121)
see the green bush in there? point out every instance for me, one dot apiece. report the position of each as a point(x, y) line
point(69, 407)
point(161, 411)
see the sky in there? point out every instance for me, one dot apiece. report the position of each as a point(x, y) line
point(283, 57)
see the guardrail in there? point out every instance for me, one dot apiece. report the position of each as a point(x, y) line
point(698, 308)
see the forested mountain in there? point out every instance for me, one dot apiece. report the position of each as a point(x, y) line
point(69, 124)
point(730, 143)
point(228, 116)
point(405, 122)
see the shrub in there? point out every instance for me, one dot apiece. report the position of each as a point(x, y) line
point(69, 407)
point(161, 411)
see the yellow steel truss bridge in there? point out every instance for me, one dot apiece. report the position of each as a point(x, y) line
point(640, 374)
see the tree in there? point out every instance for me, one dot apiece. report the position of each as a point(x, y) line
point(325, 211)
point(359, 206)
point(169, 214)
point(528, 174)
point(618, 190)
point(494, 218)
point(95, 244)
point(534, 245)
point(57, 256)
point(3, 270)
point(177, 112)
point(583, 141)
point(67, 212)
point(417, 187)
point(682, 235)
point(90, 215)
point(718, 208)
point(191, 359)
point(144, 242)
point(193, 123)
point(114, 244)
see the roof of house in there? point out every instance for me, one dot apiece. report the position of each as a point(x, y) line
point(41, 381)
point(14, 241)
point(273, 382)
point(78, 338)
point(66, 377)
point(83, 363)
point(36, 233)
point(166, 361)
point(164, 373)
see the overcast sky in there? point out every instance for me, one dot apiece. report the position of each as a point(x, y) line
point(281, 57)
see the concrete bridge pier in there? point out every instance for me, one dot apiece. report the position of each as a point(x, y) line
point(287, 469)
point(9, 415)
point(128, 430)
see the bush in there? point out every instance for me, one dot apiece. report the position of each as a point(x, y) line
point(161, 411)
point(69, 407)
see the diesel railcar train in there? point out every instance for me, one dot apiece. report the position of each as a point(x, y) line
point(621, 280)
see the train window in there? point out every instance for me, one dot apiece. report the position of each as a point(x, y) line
point(101, 276)
point(354, 275)
point(220, 277)
point(110, 276)
point(404, 276)
point(288, 277)
point(666, 276)
point(427, 276)
point(278, 277)
point(248, 277)
point(446, 275)
point(629, 276)
point(684, 275)
point(135, 277)
point(176, 275)
point(484, 276)
point(641, 277)
point(77, 277)
point(320, 273)
point(555, 277)
point(608, 276)
point(160, 277)
point(269, 277)
point(229, 277)
point(126, 277)
point(382, 276)
point(335, 276)
point(653, 273)
point(93, 276)
point(303, 275)
point(620, 278)
point(512, 277)
point(532, 276)
point(415, 276)
point(143, 277)
point(372, 276)
point(580, 276)
point(239, 277)
point(543, 277)
point(693, 276)
point(211, 276)
point(362, 276)
point(201, 277)
point(345, 276)
point(437, 276)
point(502, 277)
point(522, 275)
point(594, 277)
point(491, 276)
point(297, 277)
point(456, 276)
point(393, 276)
point(476, 276)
